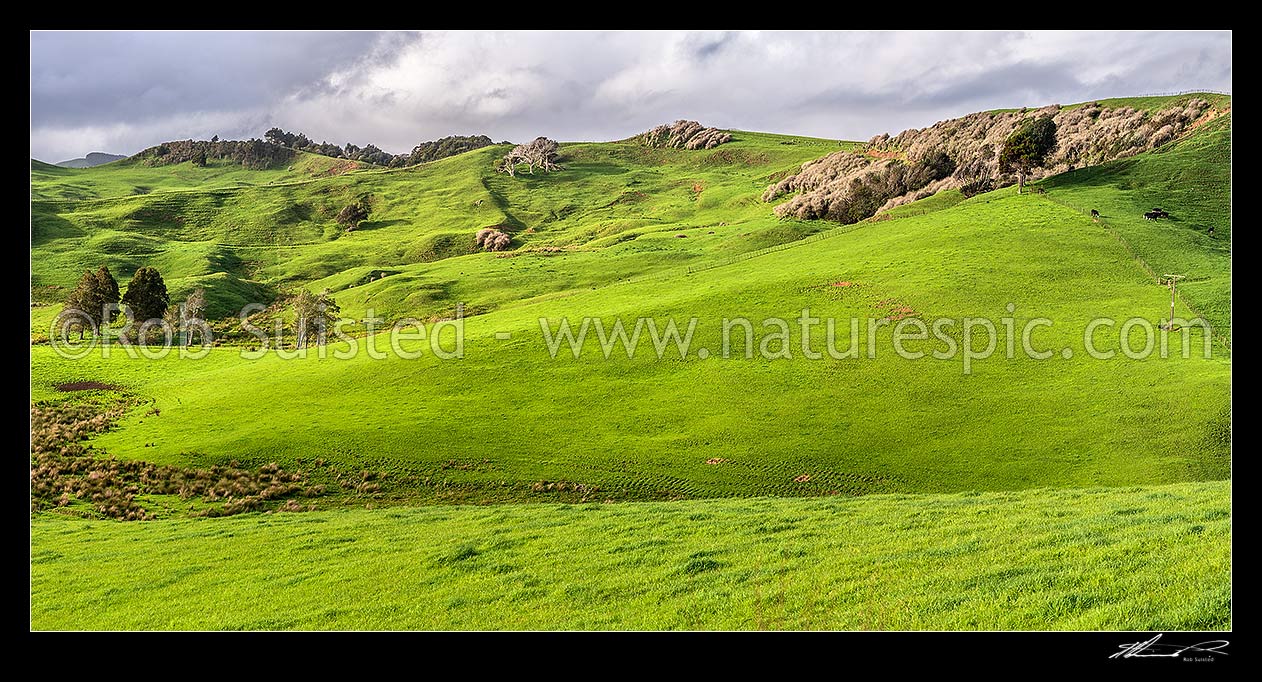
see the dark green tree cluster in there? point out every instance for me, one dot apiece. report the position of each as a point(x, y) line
point(447, 146)
point(252, 154)
point(95, 299)
point(369, 153)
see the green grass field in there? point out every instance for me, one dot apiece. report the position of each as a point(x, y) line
point(1066, 492)
point(1148, 558)
point(1147, 102)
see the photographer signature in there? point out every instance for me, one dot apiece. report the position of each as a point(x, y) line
point(1153, 649)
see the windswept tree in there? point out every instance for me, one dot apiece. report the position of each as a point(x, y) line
point(146, 296)
point(314, 315)
point(1027, 148)
point(541, 152)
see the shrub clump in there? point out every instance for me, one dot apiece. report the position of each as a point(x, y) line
point(978, 186)
point(860, 189)
point(353, 214)
point(491, 239)
point(685, 135)
point(65, 470)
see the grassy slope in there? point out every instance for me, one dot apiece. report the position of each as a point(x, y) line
point(1134, 558)
point(1149, 103)
point(644, 428)
point(1191, 179)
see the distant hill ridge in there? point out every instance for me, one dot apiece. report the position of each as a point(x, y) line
point(279, 148)
point(92, 159)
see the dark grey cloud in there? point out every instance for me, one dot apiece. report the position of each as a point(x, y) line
point(703, 47)
point(89, 77)
point(121, 91)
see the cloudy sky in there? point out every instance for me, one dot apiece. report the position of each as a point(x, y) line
point(120, 92)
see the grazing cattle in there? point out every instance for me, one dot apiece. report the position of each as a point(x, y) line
point(1151, 215)
point(1210, 231)
point(1095, 213)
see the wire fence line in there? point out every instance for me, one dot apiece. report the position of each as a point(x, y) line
point(809, 239)
point(1185, 92)
point(1140, 261)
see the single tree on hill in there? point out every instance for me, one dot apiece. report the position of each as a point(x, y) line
point(313, 316)
point(541, 152)
point(355, 213)
point(146, 295)
point(195, 305)
point(189, 314)
point(1027, 148)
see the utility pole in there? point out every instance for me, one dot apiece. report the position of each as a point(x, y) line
point(1171, 280)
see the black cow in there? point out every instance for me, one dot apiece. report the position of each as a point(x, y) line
point(1151, 215)
point(1210, 231)
point(1095, 213)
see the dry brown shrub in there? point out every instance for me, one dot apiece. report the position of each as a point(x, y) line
point(1086, 136)
point(685, 135)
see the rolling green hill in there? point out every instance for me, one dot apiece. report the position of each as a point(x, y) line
point(1050, 493)
point(131, 177)
point(610, 195)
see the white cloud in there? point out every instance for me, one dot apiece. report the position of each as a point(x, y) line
point(395, 90)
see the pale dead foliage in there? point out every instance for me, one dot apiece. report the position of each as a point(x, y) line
point(1086, 136)
point(492, 239)
point(540, 152)
point(685, 135)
